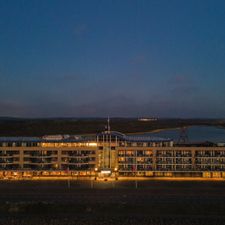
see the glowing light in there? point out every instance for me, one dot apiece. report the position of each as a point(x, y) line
point(92, 144)
point(106, 171)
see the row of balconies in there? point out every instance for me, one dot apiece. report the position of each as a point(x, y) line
point(46, 162)
point(158, 164)
point(78, 156)
point(8, 160)
point(151, 155)
point(55, 155)
point(78, 161)
point(173, 156)
point(135, 162)
point(136, 153)
point(134, 156)
point(19, 144)
point(171, 167)
point(126, 161)
point(163, 153)
point(177, 161)
point(9, 155)
point(157, 169)
point(121, 168)
point(79, 166)
point(146, 144)
point(212, 154)
point(210, 161)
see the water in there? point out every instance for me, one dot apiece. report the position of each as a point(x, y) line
point(195, 134)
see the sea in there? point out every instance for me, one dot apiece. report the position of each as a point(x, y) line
point(194, 134)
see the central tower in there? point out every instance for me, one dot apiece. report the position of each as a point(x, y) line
point(107, 150)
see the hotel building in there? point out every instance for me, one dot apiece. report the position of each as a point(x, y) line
point(108, 153)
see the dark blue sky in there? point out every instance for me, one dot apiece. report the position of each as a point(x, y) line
point(117, 58)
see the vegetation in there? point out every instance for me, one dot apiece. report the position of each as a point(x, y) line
point(40, 127)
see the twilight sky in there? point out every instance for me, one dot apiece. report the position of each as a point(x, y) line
point(129, 58)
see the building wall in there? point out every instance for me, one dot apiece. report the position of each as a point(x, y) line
point(127, 160)
point(47, 158)
point(166, 161)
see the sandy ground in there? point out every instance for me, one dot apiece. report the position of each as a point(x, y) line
point(84, 202)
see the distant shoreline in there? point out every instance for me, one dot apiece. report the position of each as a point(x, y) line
point(154, 131)
point(174, 128)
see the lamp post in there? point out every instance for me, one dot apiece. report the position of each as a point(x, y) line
point(116, 178)
point(135, 175)
point(68, 180)
point(96, 172)
point(116, 173)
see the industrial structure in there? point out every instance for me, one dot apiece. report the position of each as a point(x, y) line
point(108, 154)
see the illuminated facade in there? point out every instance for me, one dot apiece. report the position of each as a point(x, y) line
point(108, 153)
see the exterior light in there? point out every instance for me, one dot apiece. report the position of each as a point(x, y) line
point(92, 144)
point(96, 169)
point(115, 169)
point(106, 172)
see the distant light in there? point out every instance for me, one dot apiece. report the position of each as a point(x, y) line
point(147, 119)
point(96, 169)
point(115, 169)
